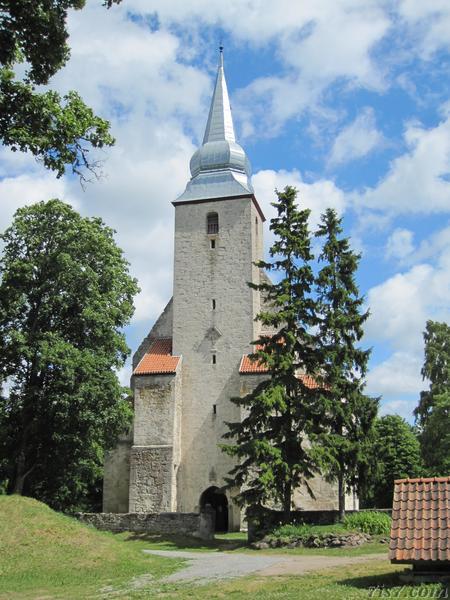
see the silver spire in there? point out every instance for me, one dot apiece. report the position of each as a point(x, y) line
point(219, 168)
point(220, 122)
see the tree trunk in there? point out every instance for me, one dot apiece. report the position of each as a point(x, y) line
point(19, 479)
point(287, 502)
point(341, 495)
point(21, 474)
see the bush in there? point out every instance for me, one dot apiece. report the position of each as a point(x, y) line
point(374, 523)
point(303, 531)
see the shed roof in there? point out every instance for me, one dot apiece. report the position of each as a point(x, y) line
point(421, 520)
point(158, 359)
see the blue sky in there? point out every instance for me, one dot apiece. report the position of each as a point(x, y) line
point(348, 100)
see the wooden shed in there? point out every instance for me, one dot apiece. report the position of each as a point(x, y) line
point(420, 533)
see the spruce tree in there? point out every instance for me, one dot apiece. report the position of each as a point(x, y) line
point(270, 443)
point(350, 414)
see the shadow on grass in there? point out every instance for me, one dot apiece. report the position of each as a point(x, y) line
point(167, 542)
point(378, 586)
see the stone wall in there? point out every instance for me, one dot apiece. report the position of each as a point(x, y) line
point(199, 525)
point(116, 476)
point(155, 455)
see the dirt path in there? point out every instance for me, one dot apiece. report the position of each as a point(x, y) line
point(203, 567)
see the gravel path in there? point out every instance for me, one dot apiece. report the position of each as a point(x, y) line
point(209, 566)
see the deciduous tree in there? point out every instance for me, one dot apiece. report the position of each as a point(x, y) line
point(433, 412)
point(65, 295)
point(59, 131)
point(393, 453)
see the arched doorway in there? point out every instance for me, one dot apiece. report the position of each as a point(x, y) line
point(218, 501)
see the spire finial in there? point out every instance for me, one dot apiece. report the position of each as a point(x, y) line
point(221, 55)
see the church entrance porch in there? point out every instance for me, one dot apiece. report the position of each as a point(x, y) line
point(218, 501)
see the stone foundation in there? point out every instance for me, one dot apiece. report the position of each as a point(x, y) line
point(199, 525)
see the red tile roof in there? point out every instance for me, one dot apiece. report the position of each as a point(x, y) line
point(158, 359)
point(249, 367)
point(421, 520)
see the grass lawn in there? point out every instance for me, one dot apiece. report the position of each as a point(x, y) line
point(47, 556)
point(237, 542)
point(44, 554)
point(361, 581)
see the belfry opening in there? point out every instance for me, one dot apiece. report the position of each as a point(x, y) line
point(217, 500)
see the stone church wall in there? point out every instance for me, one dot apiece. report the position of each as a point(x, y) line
point(155, 453)
point(200, 525)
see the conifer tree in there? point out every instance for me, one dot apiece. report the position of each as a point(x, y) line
point(350, 414)
point(270, 443)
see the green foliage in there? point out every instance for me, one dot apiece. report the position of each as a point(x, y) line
point(374, 523)
point(350, 414)
point(433, 412)
point(58, 131)
point(394, 453)
point(304, 531)
point(65, 295)
point(269, 443)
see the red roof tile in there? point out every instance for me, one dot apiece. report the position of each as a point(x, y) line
point(421, 520)
point(158, 359)
point(249, 366)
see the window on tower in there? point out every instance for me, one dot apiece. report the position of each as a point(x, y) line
point(212, 223)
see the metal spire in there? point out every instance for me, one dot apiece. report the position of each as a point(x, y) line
point(219, 168)
point(220, 122)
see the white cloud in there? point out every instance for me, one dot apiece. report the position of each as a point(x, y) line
point(316, 196)
point(397, 375)
point(356, 140)
point(430, 21)
point(25, 189)
point(417, 181)
point(402, 304)
point(400, 244)
point(437, 245)
point(404, 408)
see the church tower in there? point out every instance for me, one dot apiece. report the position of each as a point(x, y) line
point(188, 367)
point(195, 358)
point(218, 236)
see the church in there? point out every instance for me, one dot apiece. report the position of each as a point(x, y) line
point(196, 356)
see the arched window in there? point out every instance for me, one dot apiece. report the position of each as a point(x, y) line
point(212, 223)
